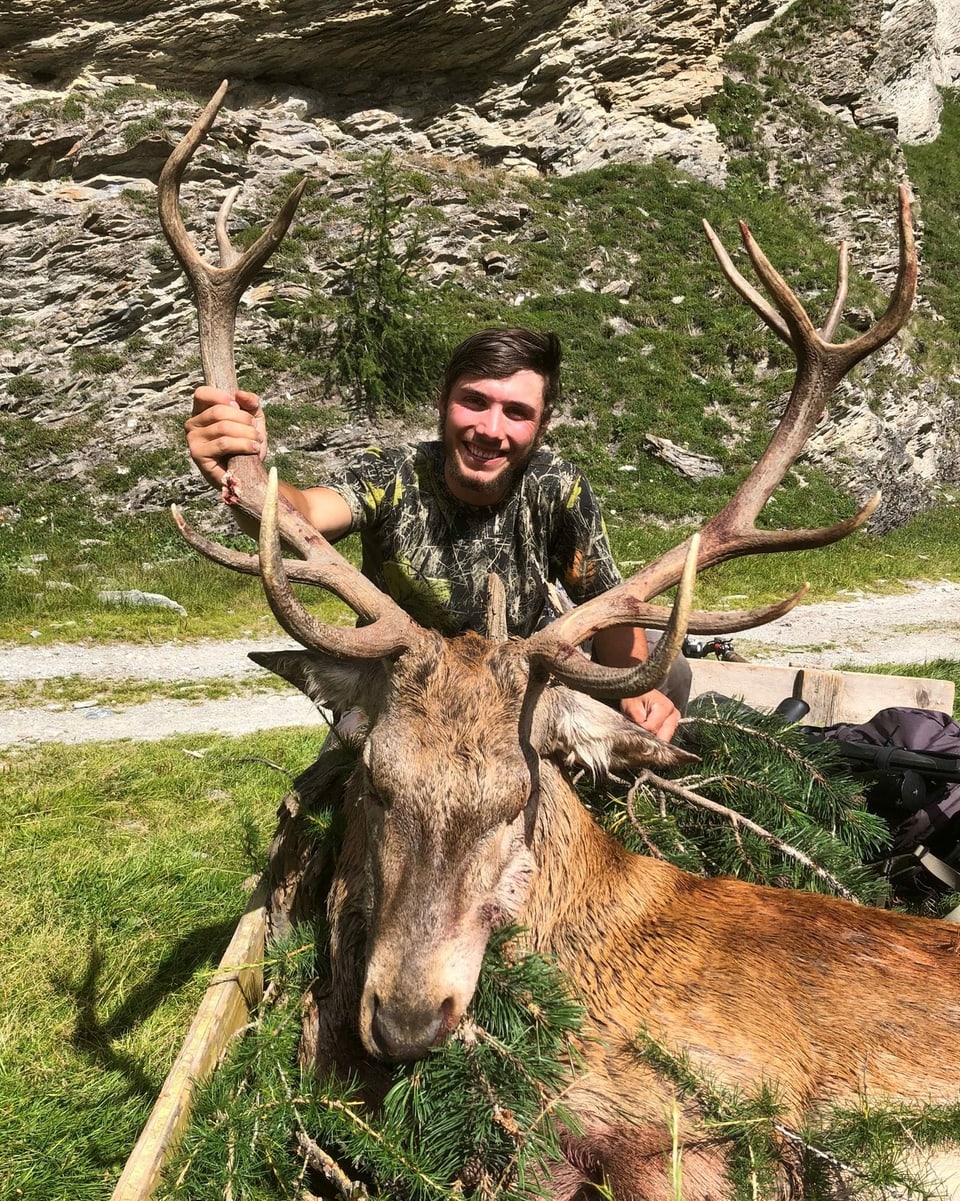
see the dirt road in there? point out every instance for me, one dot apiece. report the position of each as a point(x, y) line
point(913, 627)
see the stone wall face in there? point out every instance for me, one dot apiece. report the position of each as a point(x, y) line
point(556, 84)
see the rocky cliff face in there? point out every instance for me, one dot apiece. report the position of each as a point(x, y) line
point(878, 64)
point(96, 319)
point(556, 84)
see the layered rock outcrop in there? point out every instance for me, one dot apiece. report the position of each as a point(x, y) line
point(554, 85)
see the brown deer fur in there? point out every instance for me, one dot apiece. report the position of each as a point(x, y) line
point(460, 819)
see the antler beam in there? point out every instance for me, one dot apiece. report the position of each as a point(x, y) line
point(217, 290)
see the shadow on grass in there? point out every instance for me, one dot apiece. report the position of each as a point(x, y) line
point(94, 1037)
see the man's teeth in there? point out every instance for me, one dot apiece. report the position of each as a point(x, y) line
point(480, 452)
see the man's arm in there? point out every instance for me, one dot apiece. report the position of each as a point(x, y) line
point(224, 424)
point(622, 646)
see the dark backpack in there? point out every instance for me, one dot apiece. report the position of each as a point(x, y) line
point(913, 759)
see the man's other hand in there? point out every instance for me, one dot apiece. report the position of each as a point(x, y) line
point(654, 712)
point(224, 424)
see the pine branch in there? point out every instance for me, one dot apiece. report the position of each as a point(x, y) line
point(328, 1167)
point(774, 739)
point(738, 820)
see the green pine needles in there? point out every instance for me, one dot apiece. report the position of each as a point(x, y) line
point(766, 804)
point(472, 1120)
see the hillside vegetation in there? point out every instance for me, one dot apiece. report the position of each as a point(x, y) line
point(346, 336)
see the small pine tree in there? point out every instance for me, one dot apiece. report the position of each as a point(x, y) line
point(386, 352)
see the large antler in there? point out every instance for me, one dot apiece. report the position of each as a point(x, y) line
point(821, 364)
point(217, 291)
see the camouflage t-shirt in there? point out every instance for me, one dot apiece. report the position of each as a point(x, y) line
point(432, 553)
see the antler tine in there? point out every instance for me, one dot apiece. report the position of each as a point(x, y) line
point(225, 248)
point(829, 327)
point(733, 532)
point(363, 597)
point(392, 633)
point(905, 288)
point(755, 299)
point(217, 291)
point(843, 355)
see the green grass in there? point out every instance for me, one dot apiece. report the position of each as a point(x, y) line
point(51, 578)
point(936, 175)
point(933, 669)
point(125, 872)
point(76, 689)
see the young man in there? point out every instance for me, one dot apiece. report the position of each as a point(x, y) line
point(436, 518)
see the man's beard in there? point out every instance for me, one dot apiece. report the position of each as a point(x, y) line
point(496, 487)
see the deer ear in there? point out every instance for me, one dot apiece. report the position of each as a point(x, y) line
point(330, 683)
point(581, 730)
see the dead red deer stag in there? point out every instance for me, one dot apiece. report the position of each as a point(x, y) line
point(461, 818)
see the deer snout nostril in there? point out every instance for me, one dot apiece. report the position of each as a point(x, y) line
point(405, 1031)
point(448, 1019)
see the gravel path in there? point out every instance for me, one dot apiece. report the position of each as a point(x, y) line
point(913, 627)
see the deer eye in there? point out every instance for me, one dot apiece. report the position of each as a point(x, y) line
point(377, 800)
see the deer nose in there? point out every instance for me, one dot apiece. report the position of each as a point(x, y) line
point(408, 1032)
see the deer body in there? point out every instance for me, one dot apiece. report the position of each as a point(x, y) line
point(456, 825)
point(827, 998)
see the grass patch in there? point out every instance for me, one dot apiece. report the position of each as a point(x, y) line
point(76, 689)
point(920, 550)
point(931, 669)
point(935, 171)
point(125, 870)
point(51, 578)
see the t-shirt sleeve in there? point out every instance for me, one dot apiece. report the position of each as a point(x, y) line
point(365, 484)
point(583, 560)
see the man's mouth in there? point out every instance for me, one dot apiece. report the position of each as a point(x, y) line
point(483, 454)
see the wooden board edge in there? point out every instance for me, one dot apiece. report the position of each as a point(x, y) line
point(225, 1009)
point(850, 696)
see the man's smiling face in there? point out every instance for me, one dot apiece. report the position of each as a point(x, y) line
point(490, 429)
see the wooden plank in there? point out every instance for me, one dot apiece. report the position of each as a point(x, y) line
point(225, 1009)
point(825, 693)
point(833, 696)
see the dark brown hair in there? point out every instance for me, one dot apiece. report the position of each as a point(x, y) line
point(498, 353)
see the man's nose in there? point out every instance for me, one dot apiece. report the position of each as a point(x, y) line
point(490, 422)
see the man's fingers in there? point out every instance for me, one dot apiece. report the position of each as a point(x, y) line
point(654, 712)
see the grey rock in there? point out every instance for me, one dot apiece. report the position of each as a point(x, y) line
point(140, 600)
point(688, 462)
